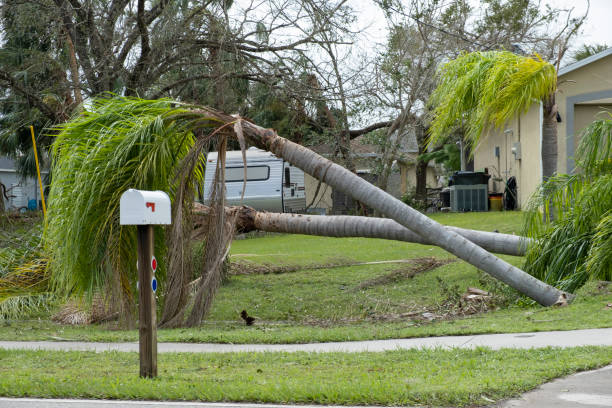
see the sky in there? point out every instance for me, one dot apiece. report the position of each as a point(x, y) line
point(597, 29)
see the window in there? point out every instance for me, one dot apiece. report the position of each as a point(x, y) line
point(287, 177)
point(254, 173)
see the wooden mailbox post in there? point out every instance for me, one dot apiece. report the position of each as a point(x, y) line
point(145, 209)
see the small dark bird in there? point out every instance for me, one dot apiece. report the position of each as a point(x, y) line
point(247, 319)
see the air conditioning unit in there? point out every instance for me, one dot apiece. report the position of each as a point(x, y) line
point(469, 198)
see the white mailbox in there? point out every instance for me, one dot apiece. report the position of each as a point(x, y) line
point(140, 207)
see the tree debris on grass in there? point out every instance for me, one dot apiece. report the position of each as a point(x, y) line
point(418, 265)
point(245, 267)
point(80, 312)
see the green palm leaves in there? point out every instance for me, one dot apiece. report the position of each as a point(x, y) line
point(24, 276)
point(574, 235)
point(118, 143)
point(481, 90)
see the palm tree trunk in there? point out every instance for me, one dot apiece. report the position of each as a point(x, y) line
point(421, 165)
point(549, 138)
point(340, 178)
point(342, 226)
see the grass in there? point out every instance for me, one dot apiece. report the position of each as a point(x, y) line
point(586, 312)
point(327, 304)
point(438, 377)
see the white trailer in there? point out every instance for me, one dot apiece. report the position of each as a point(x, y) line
point(272, 184)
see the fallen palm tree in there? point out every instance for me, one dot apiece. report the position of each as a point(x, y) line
point(349, 183)
point(125, 143)
point(248, 219)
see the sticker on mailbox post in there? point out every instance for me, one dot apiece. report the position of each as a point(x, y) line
point(153, 264)
point(154, 284)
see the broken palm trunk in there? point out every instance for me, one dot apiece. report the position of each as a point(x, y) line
point(349, 183)
point(249, 219)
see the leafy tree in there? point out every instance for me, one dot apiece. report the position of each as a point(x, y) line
point(449, 156)
point(586, 51)
point(57, 53)
point(32, 65)
point(272, 108)
point(575, 245)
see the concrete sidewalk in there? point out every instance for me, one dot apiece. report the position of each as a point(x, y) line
point(573, 338)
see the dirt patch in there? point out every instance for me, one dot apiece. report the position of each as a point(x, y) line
point(243, 267)
point(418, 265)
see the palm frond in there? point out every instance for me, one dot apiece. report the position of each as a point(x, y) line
point(120, 143)
point(24, 278)
point(482, 90)
point(599, 260)
point(570, 217)
point(594, 153)
point(20, 306)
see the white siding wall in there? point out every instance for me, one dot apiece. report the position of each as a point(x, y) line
point(27, 189)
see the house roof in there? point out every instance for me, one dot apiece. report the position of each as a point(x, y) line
point(253, 155)
point(361, 148)
point(579, 64)
point(7, 164)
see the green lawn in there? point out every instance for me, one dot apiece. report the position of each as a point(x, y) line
point(326, 304)
point(331, 304)
point(590, 311)
point(408, 377)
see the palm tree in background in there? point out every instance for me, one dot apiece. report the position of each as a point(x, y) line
point(479, 91)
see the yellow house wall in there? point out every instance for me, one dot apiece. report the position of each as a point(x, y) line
point(324, 198)
point(591, 78)
point(397, 181)
point(526, 167)
point(584, 115)
point(432, 180)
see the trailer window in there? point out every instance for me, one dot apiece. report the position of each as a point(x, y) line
point(287, 177)
point(254, 173)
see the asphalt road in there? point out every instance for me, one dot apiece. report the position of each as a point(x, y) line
point(589, 389)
